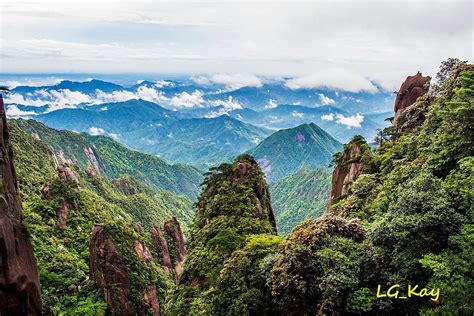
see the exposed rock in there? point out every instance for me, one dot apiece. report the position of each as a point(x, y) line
point(347, 172)
point(108, 270)
point(159, 242)
point(173, 228)
point(142, 251)
point(126, 186)
point(63, 213)
point(46, 192)
point(91, 171)
point(66, 174)
point(20, 292)
point(410, 90)
point(94, 159)
point(151, 301)
point(263, 205)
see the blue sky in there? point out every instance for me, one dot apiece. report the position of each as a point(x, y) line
point(343, 42)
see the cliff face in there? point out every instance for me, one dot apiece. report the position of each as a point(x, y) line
point(347, 170)
point(67, 176)
point(410, 90)
point(20, 292)
point(159, 242)
point(173, 228)
point(108, 270)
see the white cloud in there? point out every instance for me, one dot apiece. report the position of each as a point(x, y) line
point(115, 96)
point(271, 104)
point(143, 92)
point(350, 121)
point(228, 104)
point(340, 79)
point(55, 99)
point(150, 94)
point(187, 100)
point(231, 81)
point(163, 83)
point(32, 82)
point(95, 131)
point(325, 100)
point(13, 111)
point(297, 114)
point(327, 117)
point(236, 81)
point(65, 98)
point(201, 37)
point(19, 99)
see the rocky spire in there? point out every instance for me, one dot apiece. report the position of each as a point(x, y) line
point(410, 90)
point(159, 242)
point(349, 167)
point(109, 271)
point(20, 292)
point(173, 228)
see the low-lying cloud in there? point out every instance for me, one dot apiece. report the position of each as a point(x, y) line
point(186, 100)
point(349, 121)
point(325, 100)
point(339, 79)
point(231, 81)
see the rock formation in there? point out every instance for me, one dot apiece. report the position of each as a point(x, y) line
point(173, 228)
point(109, 271)
point(94, 159)
point(66, 175)
point(263, 205)
point(142, 251)
point(20, 292)
point(347, 170)
point(410, 90)
point(151, 301)
point(159, 242)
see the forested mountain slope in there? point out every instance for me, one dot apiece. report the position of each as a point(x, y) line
point(112, 160)
point(399, 215)
point(299, 196)
point(286, 151)
point(75, 217)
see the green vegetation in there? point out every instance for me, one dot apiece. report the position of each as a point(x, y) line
point(232, 237)
point(113, 159)
point(127, 209)
point(302, 195)
point(407, 220)
point(286, 151)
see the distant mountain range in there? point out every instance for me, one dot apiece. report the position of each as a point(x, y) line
point(198, 123)
point(286, 151)
point(150, 128)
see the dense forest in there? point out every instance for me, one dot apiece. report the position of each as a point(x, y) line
point(110, 239)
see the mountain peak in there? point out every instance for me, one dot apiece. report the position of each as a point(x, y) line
point(286, 151)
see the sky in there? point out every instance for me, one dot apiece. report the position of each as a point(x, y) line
point(354, 44)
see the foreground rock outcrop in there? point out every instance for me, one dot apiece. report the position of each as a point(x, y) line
point(109, 271)
point(173, 228)
point(159, 242)
point(67, 176)
point(410, 90)
point(20, 292)
point(349, 167)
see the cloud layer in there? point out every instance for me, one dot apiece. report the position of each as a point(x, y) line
point(284, 38)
